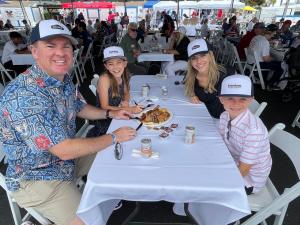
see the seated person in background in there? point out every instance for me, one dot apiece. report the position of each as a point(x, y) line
point(204, 77)
point(258, 29)
point(114, 86)
point(38, 129)
point(168, 25)
point(141, 31)
point(260, 44)
point(244, 134)
point(84, 37)
point(224, 25)
point(132, 50)
point(90, 29)
point(296, 27)
point(204, 29)
point(285, 34)
point(1, 25)
point(251, 24)
point(232, 28)
point(8, 25)
point(75, 32)
point(14, 46)
point(27, 27)
point(179, 49)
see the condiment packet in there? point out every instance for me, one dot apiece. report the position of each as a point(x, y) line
point(138, 153)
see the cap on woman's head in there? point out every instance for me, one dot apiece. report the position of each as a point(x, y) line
point(113, 52)
point(237, 85)
point(272, 27)
point(198, 46)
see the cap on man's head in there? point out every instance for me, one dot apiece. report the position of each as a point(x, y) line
point(113, 52)
point(50, 28)
point(237, 85)
point(198, 46)
point(259, 26)
point(272, 27)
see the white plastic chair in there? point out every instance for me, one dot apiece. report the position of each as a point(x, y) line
point(296, 120)
point(257, 108)
point(14, 207)
point(269, 202)
point(93, 85)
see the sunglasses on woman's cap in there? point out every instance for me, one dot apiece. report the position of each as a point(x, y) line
point(133, 29)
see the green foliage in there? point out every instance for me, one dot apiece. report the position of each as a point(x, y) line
point(255, 2)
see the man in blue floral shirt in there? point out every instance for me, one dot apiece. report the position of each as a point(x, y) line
point(37, 128)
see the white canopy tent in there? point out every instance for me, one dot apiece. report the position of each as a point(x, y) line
point(219, 5)
point(187, 4)
point(165, 5)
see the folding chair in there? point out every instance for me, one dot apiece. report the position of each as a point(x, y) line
point(296, 120)
point(237, 59)
point(88, 56)
point(268, 201)
point(1, 88)
point(93, 85)
point(5, 73)
point(257, 108)
point(75, 67)
point(14, 207)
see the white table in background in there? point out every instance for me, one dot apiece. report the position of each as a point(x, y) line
point(202, 174)
point(22, 59)
point(155, 56)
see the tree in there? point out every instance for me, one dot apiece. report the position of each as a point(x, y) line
point(255, 2)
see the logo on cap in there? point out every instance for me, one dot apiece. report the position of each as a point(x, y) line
point(56, 26)
point(195, 47)
point(234, 86)
point(111, 52)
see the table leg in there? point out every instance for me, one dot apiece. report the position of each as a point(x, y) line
point(187, 212)
point(133, 214)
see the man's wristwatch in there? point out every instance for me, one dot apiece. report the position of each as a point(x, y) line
point(114, 138)
point(107, 114)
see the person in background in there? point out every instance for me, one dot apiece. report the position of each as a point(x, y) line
point(168, 25)
point(102, 31)
point(1, 25)
point(204, 29)
point(113, 88)
point(224, 25)
point(8, 25)
point(97, 24)
point(261, 45)
point(232, 28)
point(38, 129)
point(244, 134)
point(251, 24)
point(258, 29)
point(111, 16)
point(179, 45)
point(84, 37)
point(14, 46)
point(125, 20)
point(296, 27)
point(132, 50)
point(81, 17)
point(285, 34)
point(204, 77)
point(148, 19)
point(75, 32)
point(141, 31)
point(90, 29)
point(27, 27)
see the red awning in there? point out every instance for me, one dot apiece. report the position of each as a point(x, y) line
point(88, 5)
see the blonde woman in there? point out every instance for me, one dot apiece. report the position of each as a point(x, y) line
point(204, 77)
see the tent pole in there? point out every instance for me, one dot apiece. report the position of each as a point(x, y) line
point(231, 7)
point(285, 8)
point(177, 14)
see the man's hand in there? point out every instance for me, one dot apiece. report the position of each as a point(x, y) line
point(125, 134)
point(120, 114)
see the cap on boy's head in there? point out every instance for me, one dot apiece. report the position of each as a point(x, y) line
point(237, 85)
point(113, 52)
point(198, 46)
point(50, 28)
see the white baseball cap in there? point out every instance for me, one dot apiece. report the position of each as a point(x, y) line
point(198, 46)
point(50, 28)
point(113, 52)
point(237, 85)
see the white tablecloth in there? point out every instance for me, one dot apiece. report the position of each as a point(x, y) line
point(22, 59)
point(191, 29)
point(153, 56)
point(154, 40)
point(202, 174)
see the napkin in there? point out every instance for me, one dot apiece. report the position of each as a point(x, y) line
point(138, 153)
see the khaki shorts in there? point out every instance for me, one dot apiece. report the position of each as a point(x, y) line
point(56, 200)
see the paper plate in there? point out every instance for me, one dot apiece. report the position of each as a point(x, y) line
point(151, 124)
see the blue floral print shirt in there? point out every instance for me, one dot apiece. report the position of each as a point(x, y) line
point(37, 112)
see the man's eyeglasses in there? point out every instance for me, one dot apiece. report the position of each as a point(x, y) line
point(133, 30)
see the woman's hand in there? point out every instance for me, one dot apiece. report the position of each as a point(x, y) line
point(195, 100)
point(125, 134)
point(135, 109)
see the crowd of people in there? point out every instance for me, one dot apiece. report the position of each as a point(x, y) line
point(45, 157)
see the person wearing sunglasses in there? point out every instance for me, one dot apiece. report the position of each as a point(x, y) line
point(132, 50)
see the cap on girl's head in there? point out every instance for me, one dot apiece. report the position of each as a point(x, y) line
point(197, 46)
point(50, 28)
point(237, 85)
point(113, 52)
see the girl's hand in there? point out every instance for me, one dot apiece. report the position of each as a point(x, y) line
point(135, 109)
point(195, 100)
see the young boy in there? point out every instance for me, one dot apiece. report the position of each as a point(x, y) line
point(244, 134)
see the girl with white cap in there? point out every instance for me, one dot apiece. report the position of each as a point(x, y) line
point(204, 77)
point(113, 88)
